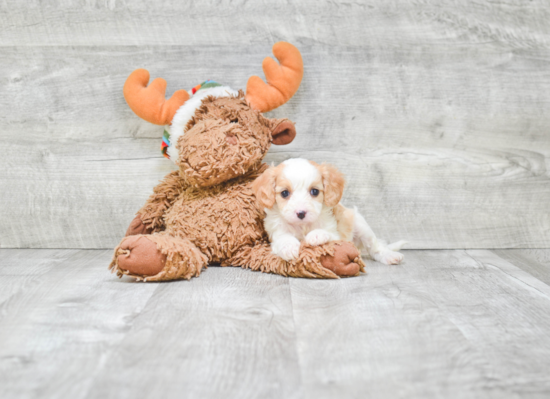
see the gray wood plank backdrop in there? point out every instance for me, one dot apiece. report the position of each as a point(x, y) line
point(437, 111)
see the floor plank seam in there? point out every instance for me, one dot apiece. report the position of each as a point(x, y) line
point(296, 345)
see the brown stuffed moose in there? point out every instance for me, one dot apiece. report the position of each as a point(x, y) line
point(205, 212)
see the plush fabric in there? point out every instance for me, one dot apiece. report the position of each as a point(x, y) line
point(148, 101)
point(186, 112)
point(282, 80)
point(206, 211)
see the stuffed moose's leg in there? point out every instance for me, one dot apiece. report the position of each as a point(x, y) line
point(341, 258)
point(330, 260)
point(138, 227)
point(157, 257)
point(344, 259)
point(150, 218)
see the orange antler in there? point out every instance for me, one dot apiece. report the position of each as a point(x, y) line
point(149, 102)
point(282, 80)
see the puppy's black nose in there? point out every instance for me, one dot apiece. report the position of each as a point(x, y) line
point(301, 214)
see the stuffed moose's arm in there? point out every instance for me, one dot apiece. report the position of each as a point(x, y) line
point(150, 218)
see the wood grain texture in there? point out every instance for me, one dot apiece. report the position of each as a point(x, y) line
point(72, 329)
point(21, 270)
point(229, 22)
point(436, 112)
point(534, 261)
point(64, 315)
point(453, 324)
point(457, 324)
point(228, 333)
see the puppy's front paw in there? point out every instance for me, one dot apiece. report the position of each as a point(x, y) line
point(288, 249)
point(318, 237)
point(388, 257)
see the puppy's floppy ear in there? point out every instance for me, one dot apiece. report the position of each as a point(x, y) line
point(334, 182)
point(264, 188)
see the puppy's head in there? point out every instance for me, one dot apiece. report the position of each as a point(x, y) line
point(299, 189)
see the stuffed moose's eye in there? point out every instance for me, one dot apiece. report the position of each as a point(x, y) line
point(314, 192)
point(285, 193)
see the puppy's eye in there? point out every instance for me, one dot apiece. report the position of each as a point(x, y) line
point(285, 193)
point(234, 121)
point(314, 192)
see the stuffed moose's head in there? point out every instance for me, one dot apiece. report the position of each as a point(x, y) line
point(219, 133)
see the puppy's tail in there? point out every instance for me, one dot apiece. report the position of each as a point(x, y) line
point(396, 246)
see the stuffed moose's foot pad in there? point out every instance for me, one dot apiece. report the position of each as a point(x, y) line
point(346, 260)
point(137, 227)
point(138, 255)
point(157, 257)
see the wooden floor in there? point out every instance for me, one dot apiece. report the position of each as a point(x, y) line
point(454, 323)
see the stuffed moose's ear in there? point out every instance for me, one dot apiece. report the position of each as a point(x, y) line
point(283, 132)
point(148, 102)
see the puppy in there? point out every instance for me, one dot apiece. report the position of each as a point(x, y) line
point(301, 200)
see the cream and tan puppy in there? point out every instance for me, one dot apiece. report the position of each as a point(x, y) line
point(301, 200)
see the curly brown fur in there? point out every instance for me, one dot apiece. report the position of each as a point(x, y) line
point(206, 212)
point(224, 139)
point(164, 195)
